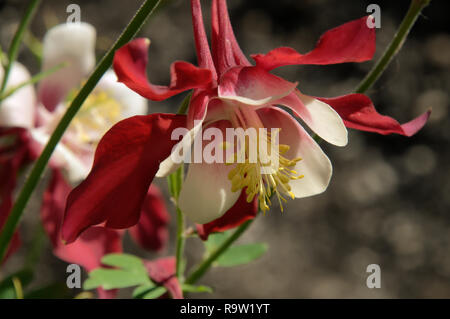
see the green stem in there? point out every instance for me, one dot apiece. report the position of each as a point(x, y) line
point(130, 31)
point(175, 181)
point(205, 264)
point(181, 240)
point(34, 45)
point(17, 39)
point(394, 47)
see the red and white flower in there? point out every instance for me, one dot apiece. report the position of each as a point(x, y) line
point(228, 91)
point(27, 119)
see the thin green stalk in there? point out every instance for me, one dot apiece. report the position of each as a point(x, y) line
point(17, 39)
point(175, 181)
point(181, 241)
point(130, 31)
point(205, 264)
point(3, 57)
point(394, 47)
point(34, 45)
point(18, 288)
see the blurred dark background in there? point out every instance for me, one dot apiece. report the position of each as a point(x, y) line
point(388, 202)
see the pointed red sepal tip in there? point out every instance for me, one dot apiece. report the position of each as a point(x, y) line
point(130, 65)
point(353, 41)
point(358, 112)
point(225, 48)
point(415, 125)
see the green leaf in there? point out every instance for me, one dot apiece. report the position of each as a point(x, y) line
point(129, 271)
point(155, 293)
point(215, 240)
point(241, 254)
point(124, 261)
point(7, 290)
point(140, 291)
point(196, 289)
point(148, 292)
point(114, 278)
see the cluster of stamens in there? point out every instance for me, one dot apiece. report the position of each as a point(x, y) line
point(264, 176)
point(97, 115)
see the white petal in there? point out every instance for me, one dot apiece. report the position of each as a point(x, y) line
point(198, 110)
point(19, 108)
point(131, 102)
point(206, 193)
point(168, 166)
point(73, 44)
point(315, 165)
point(319, 116)
point(75, 169)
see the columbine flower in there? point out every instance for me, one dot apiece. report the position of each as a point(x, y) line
point(228, 92)
point(26, 122)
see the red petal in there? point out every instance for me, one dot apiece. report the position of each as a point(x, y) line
point(351, 42)
point(162, 271)
point(201, 41)
point(235, 216)
point(252, 85)
point(130, 65)
point(126, 160)
point(198, 106)
point(13, 156)
point(226, 50)
point(91, 246)
point(151, 231)
point(52, 209)
point(358, 112)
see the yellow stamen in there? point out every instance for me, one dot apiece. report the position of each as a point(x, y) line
point(264, 178)
point(97, 115)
